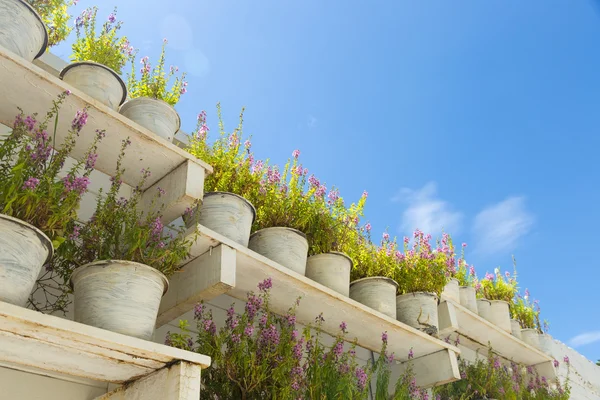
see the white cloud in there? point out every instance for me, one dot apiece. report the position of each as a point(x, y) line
point(499, 227)
point(311, 121)
point(426, 211)
point(585, 338)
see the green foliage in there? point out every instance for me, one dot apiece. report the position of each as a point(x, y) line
point(498, 286)
point(105, 48)
point(490, 379)
point(465, 274)
point(119, 230)
point(525, 312)
point(153, 82)
point(30, 162)
point(55, 15)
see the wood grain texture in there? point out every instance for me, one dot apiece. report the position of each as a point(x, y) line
point(23, 32)
point(155, 115)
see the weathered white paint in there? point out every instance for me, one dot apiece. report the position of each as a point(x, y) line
point(451, 290)
point(204, 278)
point(286, 246)
point(120, 296)
point(176, 382)
point(331, 270)
point(468, 298)
point(22, 30)
point(500, 315)
point(378, 293)
point(430, 370)
point(531, 337)
point(545, 341)
point(484, 308)
point(155, 115)
point(32, 339)
point(515, 328)
point(226, 213)
point(34, 89)
point(97, 81)
point(50, 63)
point(477, 334)
point(24, 249)
point(447, 320)
point(419, 310)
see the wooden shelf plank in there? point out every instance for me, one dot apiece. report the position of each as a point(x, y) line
point(34, 89)
point(31, 339)
point(476, 332)
point(364, 324)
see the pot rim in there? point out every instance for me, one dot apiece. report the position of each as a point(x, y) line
point(454, 279)
point(280, 227)
point(45, 45)
point(372, 278)
point(529, 329)
point(466, 287)
point(42, 236)
point(239, 197)
point(431, 294)
point(338, 253)
point(484, 299)
point(158, 101)
point(126, 263)
point(95, 64)
point(498, 301)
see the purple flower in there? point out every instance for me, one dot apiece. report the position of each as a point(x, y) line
point(464, 245)
point(31, 183)
point(343, 327)
point(368, 227)
point(489, 277)
point(361, 378)
point(410, 354)
point(386, 236)
point(198, 310)
point(265, 285)
point(161, 192)
point(80, 120)
point(556, 363)
point(566, 360)
point(75, 234)
point(156, 228)
point(91, 161)
point(112, 18)
point(248, 330)
point(296, 154)
point(472, 270)
point(365, 194)
point(384, 337)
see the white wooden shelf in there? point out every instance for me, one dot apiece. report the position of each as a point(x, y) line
point(477, 334)
point(29, 339)
point(27, 86)
point(223, 266)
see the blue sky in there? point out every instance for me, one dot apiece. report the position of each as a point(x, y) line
point(476, 116)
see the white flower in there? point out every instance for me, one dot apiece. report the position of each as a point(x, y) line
point(496, 271)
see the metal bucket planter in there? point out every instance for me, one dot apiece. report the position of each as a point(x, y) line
point(468, 298)
point(119, 296)
point(531, 337)
point(515, 328)
point(285, 246)
point(419, 310)
point(451, 290)
point(97, 81)
point(225, 213)
point(500, 315)
point(331, 270)
point(484, 308)
point(24, 250)
point(378, 293)
point(22, 30)
point(155, 115)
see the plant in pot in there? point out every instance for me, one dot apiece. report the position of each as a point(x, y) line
point(98, 59)
point(223, 208)
point(118, 262)
point(523, 314)
point(499, 289)
point(55, 15)
point(151, 101)
point(22, 29)
point(467, 281)
point(36, 201)
point(370, 285)
point(421, 275)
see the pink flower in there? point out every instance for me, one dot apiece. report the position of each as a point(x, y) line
point(296, 154)
point(31, 183)
point(368, 227)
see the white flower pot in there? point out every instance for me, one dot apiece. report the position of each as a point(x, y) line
point(24, 249)
point(515, 328)
point(378, 293)
point(468, 298)
point(285, 246)
point(451, 290)
point(484, 308)
point(500, 315)
point(155, 115)
point(331, 270)
point(119, 296)
point(419, 310)
point(545, 342)
point(97, 81)
point(225, 213)
point(531, 337)
point(22, 31)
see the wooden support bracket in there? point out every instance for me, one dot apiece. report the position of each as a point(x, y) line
point(178, 382)
point(448, 322)
point(431, 370)
point(204, 278)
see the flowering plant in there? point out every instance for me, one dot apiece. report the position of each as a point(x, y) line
point(498, 287)
point(55, 15)
point(153, 82)
point(118, 230)
point(106, 48)
point(30, 187)
point(524, 311)
point(465, 273)
point(490, 379)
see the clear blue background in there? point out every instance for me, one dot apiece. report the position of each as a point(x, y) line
point(439, 109)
